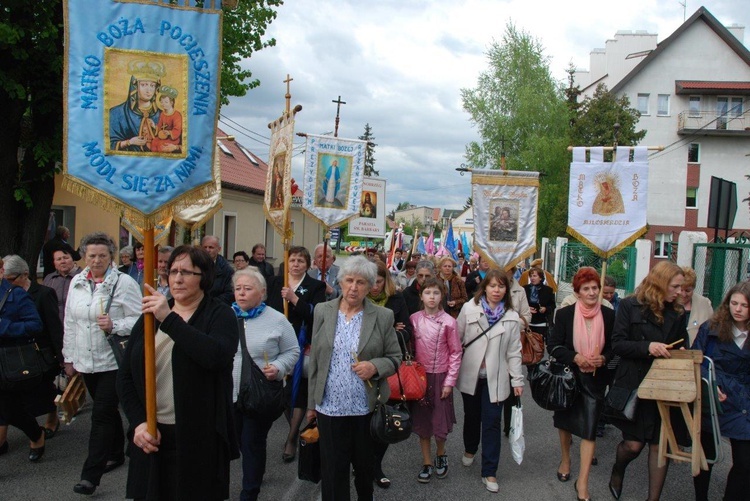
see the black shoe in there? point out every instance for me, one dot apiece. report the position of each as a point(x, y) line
point(36, 454)
point(441, 466)
point(113, 464)
point(84, 487)
point(563, 477)
point(4, 448)
point(594, 461)
point(287, 458)
point(426, 474)
point(616, 493)
point(382, 481)
point(49, 433)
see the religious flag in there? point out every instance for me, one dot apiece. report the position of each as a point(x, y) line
point(278, 196)
point(467, 247)
point(608, 200)
point(421, 247)
point(450, 241)
point(371, 219)
point(334, 170)
point(141, 101)
point(430, 246)
point(505, 214)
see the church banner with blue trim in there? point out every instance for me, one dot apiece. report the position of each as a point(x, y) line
point(333, 176)
point(141, 104)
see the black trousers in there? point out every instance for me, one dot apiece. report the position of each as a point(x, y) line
point(343, 441)
point(738, 480)
point(107, 439)
point(14, 412)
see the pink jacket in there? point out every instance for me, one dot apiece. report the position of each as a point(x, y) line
point(437, 345)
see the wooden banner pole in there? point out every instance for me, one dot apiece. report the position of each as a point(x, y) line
point(149, 334)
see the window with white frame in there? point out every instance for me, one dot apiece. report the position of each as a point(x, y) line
point(643, 103)
point(691, 198)
point(695, 106)
point(662, 243)
point(662, 105)
point(735, 107)
point(694, 153)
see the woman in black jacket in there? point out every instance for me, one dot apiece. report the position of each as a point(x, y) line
point(384, 293)
point(582, 339)
point(302, 293)
point(646, 323)
point(196, 339)
point(541, 300)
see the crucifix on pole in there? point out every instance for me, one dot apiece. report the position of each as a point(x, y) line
point(288, 94)
point(338, 102)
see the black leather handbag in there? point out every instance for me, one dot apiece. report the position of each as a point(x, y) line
point(621, 403)
point(553, 385)
point(391, 423)
point(258, 397)
point(21, 362)
point(117, 343)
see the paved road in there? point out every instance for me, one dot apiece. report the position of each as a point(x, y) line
point(534, 480)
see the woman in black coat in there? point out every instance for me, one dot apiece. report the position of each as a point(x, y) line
point(196, 339)
point(645, 324)
point(384, 293)
point(302, 294)
point(582, 340)
point(541, 300)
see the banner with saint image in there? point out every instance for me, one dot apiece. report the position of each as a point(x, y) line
point(608, 201)
point(334, 170)
point(141, 101)
point(505, 214)
point(277, 199)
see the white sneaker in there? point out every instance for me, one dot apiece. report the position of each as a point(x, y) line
point(466, 460)
point(490, 485)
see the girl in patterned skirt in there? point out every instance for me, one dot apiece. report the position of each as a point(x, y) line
point(437, 347)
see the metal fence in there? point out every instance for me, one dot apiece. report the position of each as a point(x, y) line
point(718, 267)
point(621, 266)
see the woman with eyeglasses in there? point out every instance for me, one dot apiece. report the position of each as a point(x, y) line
point(241, 260)
point(196, 340)
point(101, 301)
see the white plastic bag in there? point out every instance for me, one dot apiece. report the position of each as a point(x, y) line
point(517, 443)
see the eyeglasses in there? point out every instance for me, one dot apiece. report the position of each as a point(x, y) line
point(184, 273)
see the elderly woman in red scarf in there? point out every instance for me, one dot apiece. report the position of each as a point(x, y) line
point(582, 340)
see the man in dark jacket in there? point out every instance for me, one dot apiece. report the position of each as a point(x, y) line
point(425, 270)
point(474, 278)
point(258, 259)
point(58, 242)
point(222, 288)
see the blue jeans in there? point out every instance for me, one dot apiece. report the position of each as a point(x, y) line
point(481, 417)
point(253, 434)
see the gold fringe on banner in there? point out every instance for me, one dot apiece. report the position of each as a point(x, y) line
point(509, 266)
point(136, 217)
point(501, 180)
point(602, 254)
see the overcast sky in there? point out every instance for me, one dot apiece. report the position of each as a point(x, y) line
point(400, 65)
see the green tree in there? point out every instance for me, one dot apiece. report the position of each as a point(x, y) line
point(520, 109)
point(469, 202)
point(31, 97)
point(369, 152)
point(597, 116)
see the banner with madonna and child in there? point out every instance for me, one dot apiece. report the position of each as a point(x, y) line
point(505, 214)
point(333, 175)
point(141, 103)
point(608, 200)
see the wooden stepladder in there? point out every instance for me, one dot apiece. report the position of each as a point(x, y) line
point(676, 382)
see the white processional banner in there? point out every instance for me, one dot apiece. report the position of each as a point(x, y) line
point(277, 199)
point(334, 169)
point(505, 214)
point(608, 200)
point(371, 219)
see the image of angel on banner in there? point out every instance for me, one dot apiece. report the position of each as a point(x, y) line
point(608, 199)
point(333, 181)
point(504, 220)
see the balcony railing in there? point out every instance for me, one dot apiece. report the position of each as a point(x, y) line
point(713, 123)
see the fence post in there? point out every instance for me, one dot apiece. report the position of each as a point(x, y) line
point(686, 245)
point(643, 252)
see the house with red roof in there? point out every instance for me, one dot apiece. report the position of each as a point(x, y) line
point(692, 91)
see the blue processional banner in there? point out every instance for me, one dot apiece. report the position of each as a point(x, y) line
point(334, 170)
point(141, 104)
